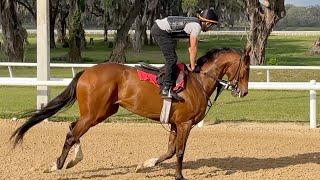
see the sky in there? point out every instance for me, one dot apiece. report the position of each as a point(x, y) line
point(303, 2)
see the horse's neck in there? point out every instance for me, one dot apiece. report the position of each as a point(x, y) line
point(209, 82)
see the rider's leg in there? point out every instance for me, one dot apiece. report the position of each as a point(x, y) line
point(167, 45)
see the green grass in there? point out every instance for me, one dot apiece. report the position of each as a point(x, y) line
point(261, 106)
point(286, 50)
point(258, 106)
point(16, 100)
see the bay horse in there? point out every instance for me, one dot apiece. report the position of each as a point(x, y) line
point(101, 89)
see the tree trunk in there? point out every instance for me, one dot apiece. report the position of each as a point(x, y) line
point(118, 53)
point(316, 48)
point(121, 41)
point(153, 17)
point(176, 7)
point(54, 10)
point(62, 22)
point(105, 27)
point(76, 32)
point(145, 36)
point(204, 4)
point(14, 35)
point(262, 20)
point(140, 36)
point(137, 37)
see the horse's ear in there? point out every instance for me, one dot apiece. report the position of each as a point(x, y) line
point(247, 51)
point(246, 54)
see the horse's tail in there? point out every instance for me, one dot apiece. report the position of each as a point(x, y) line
point(63, 100)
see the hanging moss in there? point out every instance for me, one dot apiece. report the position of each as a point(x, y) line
point(82, 5)
point(75, 25)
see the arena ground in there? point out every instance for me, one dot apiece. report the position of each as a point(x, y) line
point(113, 150)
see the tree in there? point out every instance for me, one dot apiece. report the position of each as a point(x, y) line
point(76, 31)
point(30, 5)
point(190, 7)
point(122, 14)
point(316, 48)
point(54, 11)
point(97, 8)
point(231, 11)
point(140, 24)
point(54, 5)
point(263, 18)
point(62, 22)
point(14, 35)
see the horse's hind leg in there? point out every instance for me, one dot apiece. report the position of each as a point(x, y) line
point(78, 155)
point(79, 128)
point(69, 142)
point(169, 154)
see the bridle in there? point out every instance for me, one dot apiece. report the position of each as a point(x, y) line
point(236, 78)
point(231, 84)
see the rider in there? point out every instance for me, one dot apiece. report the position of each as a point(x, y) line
point(164, 31)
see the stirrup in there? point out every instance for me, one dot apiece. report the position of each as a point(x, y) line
point(174, 95)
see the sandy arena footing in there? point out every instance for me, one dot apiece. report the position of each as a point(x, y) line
point(113, 150)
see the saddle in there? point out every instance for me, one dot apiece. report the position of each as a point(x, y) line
point(155, 75)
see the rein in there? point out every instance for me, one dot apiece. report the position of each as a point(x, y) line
point(221, 86)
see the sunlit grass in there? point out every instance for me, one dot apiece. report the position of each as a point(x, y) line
point(262, 106)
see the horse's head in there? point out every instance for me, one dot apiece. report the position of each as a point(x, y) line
point(238, 74)
point(220, 62)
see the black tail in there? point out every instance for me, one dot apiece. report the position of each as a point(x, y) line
point(63, 100)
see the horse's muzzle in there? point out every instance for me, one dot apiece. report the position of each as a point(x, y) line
point(237, 92)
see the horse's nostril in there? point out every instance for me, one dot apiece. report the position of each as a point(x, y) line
point(245, 93)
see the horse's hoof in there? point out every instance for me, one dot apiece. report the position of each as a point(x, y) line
point(51, 169)
point(179, 177)
point(71, 163)
point(148, 163)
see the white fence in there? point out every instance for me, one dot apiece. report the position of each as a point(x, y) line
point(213, 33)
point(9, 65)
point(312, 86)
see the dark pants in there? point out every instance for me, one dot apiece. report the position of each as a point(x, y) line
point(167, 45)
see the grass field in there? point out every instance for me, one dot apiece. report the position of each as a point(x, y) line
point(262, 106)
point(282, 50)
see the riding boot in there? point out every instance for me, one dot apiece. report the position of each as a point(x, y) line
point(168, 93)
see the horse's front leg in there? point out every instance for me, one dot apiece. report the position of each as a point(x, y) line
point(170, 152)
point(183, 130)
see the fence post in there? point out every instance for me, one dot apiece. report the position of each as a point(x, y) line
point(43, 51)
point(10, 71)
point(313, 106)
point(73, 72)
point(268, 75)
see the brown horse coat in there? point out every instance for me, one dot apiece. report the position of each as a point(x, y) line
point(101, 89)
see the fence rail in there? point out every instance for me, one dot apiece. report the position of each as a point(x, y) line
point(9, 65)
point(312, 87)
point(215, 33)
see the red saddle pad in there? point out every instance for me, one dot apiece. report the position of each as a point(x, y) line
point(180, 82)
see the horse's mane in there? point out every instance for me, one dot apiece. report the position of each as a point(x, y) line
point(212, 55)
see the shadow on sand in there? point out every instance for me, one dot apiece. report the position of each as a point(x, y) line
point(230, 164)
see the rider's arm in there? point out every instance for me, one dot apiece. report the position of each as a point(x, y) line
point(193, 29)
point(193, 50)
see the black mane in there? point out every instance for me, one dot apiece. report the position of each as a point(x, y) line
point(212, 54)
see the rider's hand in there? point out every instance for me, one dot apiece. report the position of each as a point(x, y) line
point(190, 67)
